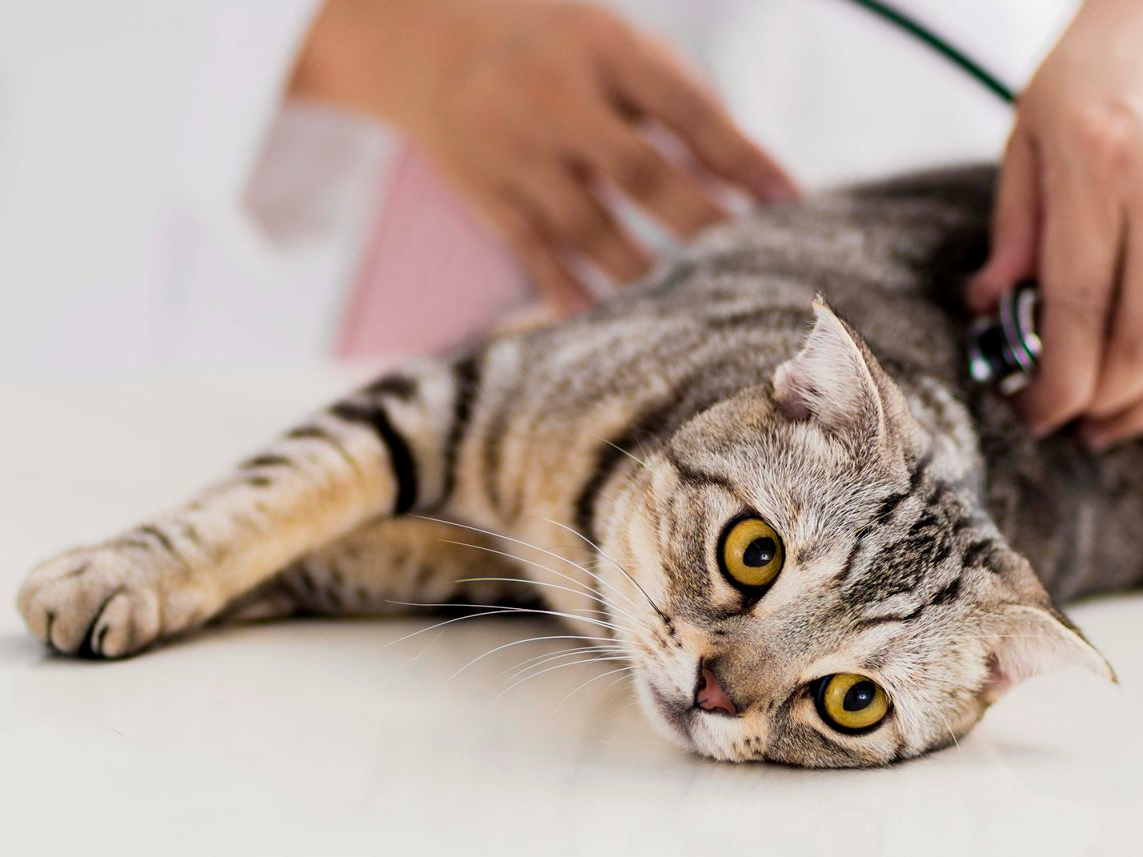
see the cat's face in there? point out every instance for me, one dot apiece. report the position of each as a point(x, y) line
point(829, 591)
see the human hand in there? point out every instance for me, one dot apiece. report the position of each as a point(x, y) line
point(531, 108)
point(1069, 210)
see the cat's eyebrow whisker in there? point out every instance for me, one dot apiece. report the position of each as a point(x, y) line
point(533, 675)
point(545, 551)
point(622, 570)
point(592, 681)
point(626, 452)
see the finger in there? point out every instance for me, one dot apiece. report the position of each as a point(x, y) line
point(648, 78)
point(1077, 272)
point(550, 277)
point(1015, 225)
point(1121, 376)
point(577, 219)
point(615, 150)
point(1105, 432)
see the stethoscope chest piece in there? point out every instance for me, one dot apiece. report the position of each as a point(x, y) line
point(1003, 350)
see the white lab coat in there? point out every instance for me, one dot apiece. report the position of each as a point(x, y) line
point(161, 208)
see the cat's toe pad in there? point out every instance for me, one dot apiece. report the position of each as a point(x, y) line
point(94, 602)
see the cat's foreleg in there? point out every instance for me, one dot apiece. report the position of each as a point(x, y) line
point(391, 566)
point(387, 450)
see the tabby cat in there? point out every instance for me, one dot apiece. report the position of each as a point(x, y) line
point(813, 545)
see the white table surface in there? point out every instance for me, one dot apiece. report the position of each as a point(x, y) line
point(320, 738)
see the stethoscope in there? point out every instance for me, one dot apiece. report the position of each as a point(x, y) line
point(1002, 351)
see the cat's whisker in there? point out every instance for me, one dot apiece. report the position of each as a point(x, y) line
point(587, 591)
point(621, 569)
point(592, 681)
point(546, 657)
point(540, 660)
point(628, 453)
point(952, 734)
point(545, 551)
point(509, 609)
point(420, 631)
point(528, 678)
point(501, 648)
point(527, 582)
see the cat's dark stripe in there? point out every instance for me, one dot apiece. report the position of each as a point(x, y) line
point(610, 455)
point(851, 558)
point(318, 433)
point(400, 458)
point(159, 536)
point(399, 386)
point(889, 505)
point(695, 476)
point(770, 317)
point(491, 453)
point(77, 571)
point(926, 520)
point(896, 617)
point(260, 461)
point(191, 534)
point(258, 481)
point(466, 375)
point(975, 552)
point(919, 469)
point(946, 594)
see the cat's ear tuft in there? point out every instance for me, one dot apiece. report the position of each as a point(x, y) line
point(1030, 640)
point(832, 379)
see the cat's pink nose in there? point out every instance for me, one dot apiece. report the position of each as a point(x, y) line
point(711, 696)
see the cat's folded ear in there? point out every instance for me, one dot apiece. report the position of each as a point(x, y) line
point(1028, 640)
point(836, 381)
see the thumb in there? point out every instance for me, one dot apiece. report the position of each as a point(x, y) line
point(1015, 226)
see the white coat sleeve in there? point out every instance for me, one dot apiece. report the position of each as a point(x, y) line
point(251, 50)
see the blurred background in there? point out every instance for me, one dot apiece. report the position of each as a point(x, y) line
point(165, 210)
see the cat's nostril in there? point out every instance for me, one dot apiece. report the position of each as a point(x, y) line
point(710, 695)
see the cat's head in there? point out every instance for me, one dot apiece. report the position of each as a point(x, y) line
point(828, 589)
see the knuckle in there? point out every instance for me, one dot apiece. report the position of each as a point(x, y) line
point(1109, 133)
point(639, 170)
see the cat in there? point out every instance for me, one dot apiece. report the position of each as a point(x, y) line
point(762, 477)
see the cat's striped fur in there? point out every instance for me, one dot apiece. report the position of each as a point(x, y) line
point(644, 427)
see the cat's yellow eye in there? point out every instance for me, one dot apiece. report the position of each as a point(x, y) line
point(751, 553)
point(851, 703)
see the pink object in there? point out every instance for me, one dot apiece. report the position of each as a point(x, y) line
point(432, 276)
point(711, 696)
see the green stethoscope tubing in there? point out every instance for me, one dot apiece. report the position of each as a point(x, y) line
point(949, 51)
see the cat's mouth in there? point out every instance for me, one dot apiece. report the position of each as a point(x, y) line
point(680, 712)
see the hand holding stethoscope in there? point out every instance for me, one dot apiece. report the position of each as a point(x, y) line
point(1069, 212)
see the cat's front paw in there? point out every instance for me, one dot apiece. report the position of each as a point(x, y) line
point(99, 602)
